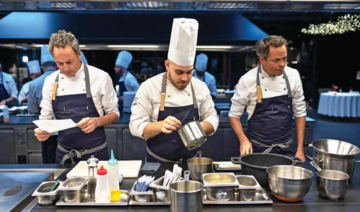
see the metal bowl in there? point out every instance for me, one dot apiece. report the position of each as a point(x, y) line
point(192, 135)
point(199, 166)
point(332, 184)
point(45, 196)
point(289, 183)
point(337, 148)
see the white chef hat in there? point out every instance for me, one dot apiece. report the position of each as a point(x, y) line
point(124, 59)
point(183, 40)
point(33, 66)
point(201, 62)
point(46, 55)
point(83, 58)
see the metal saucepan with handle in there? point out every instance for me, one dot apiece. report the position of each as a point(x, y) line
point(257, 163)
point(335, 155)
point(192, 135)
point(199, 165)
point(331, 184)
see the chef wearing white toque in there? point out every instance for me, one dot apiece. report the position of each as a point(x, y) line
point(35, 72)
point(168, 100)
point(201, 73)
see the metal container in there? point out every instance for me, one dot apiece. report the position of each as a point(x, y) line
point(247, 187)
point(256, 164)
point(45, 196)
point(162, 193)
point(289, 183)
point(73, 189)
point(220, 186)
point(186, 196)
point(198, 166)
point(143, 196)
point(331, 184)
point(192, 135)
point(335, 155)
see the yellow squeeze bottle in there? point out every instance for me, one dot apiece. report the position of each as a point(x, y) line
point(113, 176)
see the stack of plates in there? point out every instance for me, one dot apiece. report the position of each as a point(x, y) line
point(128, 98)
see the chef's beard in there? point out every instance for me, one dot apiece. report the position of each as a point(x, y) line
point(176, 84)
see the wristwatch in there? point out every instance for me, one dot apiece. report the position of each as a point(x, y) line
point(5, 100)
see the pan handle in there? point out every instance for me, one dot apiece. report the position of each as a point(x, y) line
point(315, 165)
point(236, 160)
point(298, 160)
point(311, 158)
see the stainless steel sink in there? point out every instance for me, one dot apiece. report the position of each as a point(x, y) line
point(57, 172)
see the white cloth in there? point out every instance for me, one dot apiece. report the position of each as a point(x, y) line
point(124, 59)
point(102, 91)
point(9, 84)
point(34, 66)
point(83, 58)
point(131, 83)
point(183, 40)
point(145, 107)
point(339, 105)
point(23, 92)
point(210, 81)
point(201, 62)
point(245, 91)
point(46, 55)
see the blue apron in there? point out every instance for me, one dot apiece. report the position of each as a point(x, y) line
point(169, 147)
point(74, 143)
point(122, 87)
point(270, 126)
point(3, 92)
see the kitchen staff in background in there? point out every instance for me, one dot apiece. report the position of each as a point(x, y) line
point(201, 73)
point(169, 100)
point(79, 92)
point(272, 94)
point(8, 90)
point(127, 81)
point(35, 72)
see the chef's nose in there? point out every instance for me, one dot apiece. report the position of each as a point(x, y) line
point(184, 77)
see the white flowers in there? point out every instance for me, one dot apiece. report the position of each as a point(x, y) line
point(344, 24)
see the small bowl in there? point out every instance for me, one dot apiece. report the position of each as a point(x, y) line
point(74, 189)
point(144, 196)
point(45, 197)
point(247, 186)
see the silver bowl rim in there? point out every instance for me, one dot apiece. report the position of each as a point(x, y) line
point(292, 167)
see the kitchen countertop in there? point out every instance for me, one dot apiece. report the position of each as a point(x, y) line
point(311, 202)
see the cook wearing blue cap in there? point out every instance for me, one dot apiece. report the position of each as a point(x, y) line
point(201, 73)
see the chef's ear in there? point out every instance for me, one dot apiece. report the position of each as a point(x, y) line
point(262, 59)
point(167, 65)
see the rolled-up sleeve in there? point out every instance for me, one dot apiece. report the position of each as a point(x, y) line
point(109, 98)
point(298, 99)
point(46, 106)
point(33, 105)
point(239, 100)
point(208, 112)
point(141, 110)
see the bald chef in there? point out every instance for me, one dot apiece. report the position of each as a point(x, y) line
point(185, 99)
point(35, 72)
point(201, 73)
point(79, 92)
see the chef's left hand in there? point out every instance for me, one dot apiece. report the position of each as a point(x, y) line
point(87, 125)
point(300, 154)
point(2, 102)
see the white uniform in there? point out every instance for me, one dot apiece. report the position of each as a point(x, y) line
point(9, 84)
point(245, 91)
point(102, 91)
point(23, 92)
point(145, 108)
point(210, 81)
point(131, 82)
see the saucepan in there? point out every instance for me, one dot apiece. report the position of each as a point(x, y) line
point(199, 165)
point(192, 135)
point(331, 184)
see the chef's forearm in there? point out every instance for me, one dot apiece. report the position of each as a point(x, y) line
point(107, 119)
point(207, 127)
point(238, 129)
point(300, 131)
point(152, 129)
point(11, 99)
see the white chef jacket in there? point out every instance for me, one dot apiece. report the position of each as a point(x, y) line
point(23, 92)
point(209, 80)
point(9, 84)
point(245, 91)
point(145, 107)
point(102, 90)
point(131, 83)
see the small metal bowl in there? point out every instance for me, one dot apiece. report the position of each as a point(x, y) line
point(74, 189)
point(162, 193)
point(247, 186)
point(141, 196)
point(45, 197)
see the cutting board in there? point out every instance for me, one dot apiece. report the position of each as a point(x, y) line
point(129, 168)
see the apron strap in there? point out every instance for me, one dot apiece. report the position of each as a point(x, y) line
point(78, 153)
point(87, 84)
point(2, 78)
point(271, 146)
point(163, 94)
point(160, 158)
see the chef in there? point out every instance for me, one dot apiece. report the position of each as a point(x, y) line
point(201, 73)
point(169, 100)
point(272, 94)
point(79, 92)
point(8, 90)
point(34, 70)
point(127, 81)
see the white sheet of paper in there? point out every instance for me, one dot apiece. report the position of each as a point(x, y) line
point(55, 125)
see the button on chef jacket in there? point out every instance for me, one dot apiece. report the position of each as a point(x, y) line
point(145, 107)
point(245, 91)
point(9, 84)
point(102, 91)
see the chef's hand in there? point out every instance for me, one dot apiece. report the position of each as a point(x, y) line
point(24, 99)
point(170, 124)
point(2, 102)
point(87, 125)
point(300, 154)
point(245, 147)
point(41, 135)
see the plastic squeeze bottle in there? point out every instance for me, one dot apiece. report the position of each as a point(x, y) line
point(6, 114)
point(102, 191)
point(113, 175)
